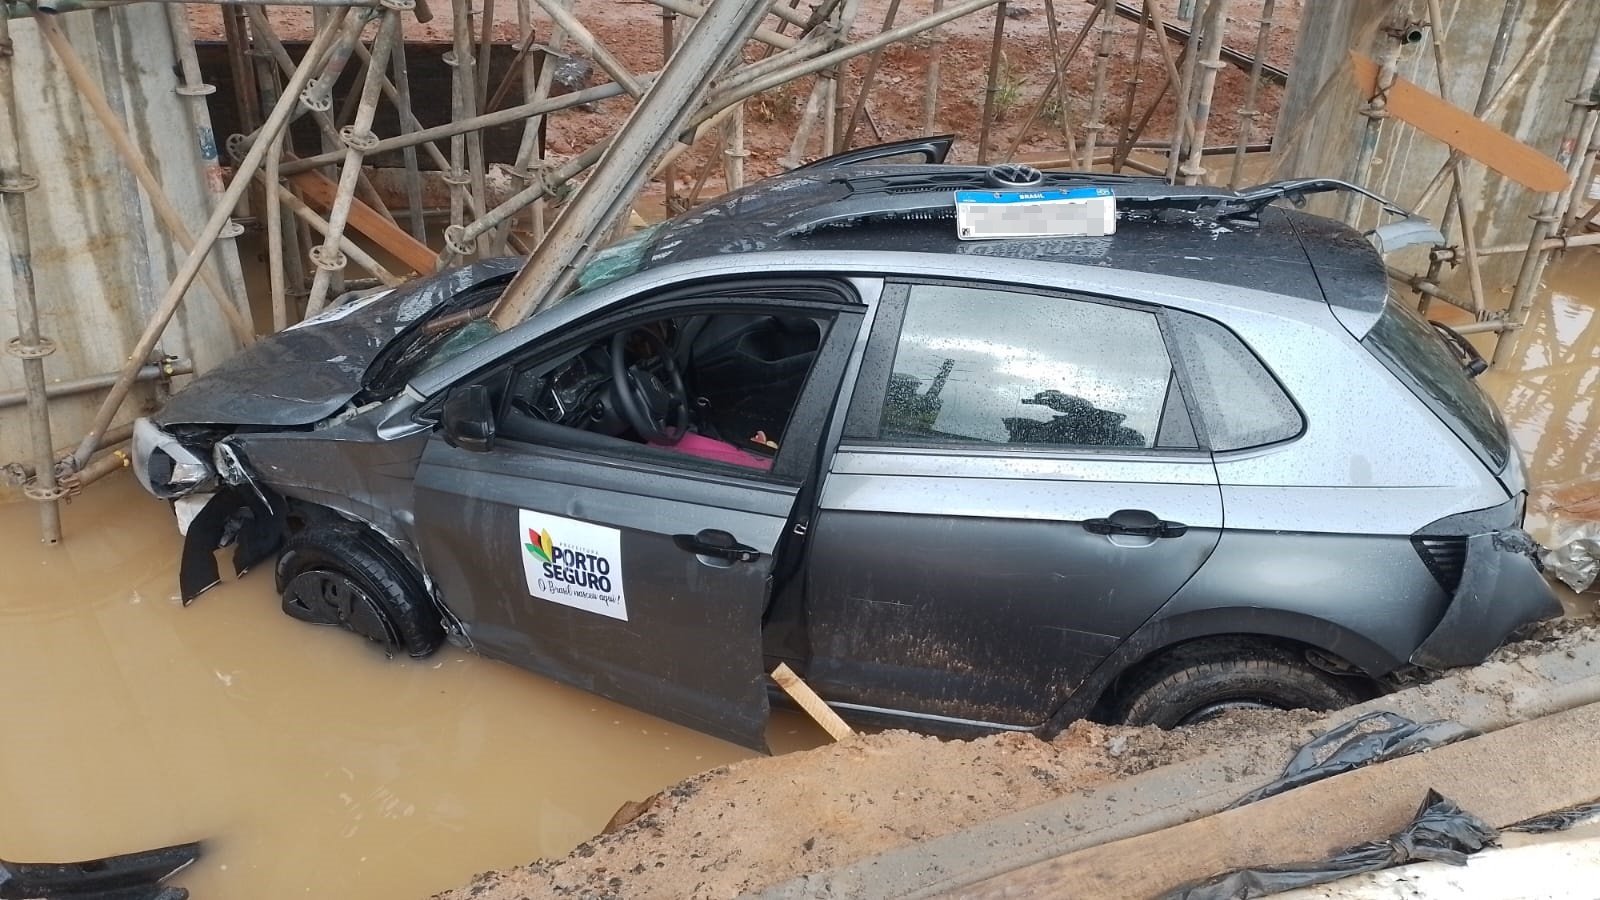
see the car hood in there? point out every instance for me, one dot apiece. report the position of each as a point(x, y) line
point(309, 371)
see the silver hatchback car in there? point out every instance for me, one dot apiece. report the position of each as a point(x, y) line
point(1205, 462)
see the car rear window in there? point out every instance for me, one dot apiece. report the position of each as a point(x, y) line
point(983, 365)
point(1415, 352)
point(1239, 401)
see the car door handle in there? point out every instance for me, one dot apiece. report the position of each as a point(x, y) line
point(1137, 522)
point(716, 543)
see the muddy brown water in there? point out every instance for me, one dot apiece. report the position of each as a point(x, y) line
point(310, 764)
point(314, 767)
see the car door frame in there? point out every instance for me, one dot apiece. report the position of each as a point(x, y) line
point(888, 320)
point(837, 355)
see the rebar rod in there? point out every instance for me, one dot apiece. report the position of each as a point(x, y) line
point(247, 94)
point(1094, 123)
point(1248, 114)
point(1581, 126)
point(669, 174)
point(358, 139)
point(133, 158)
point(996, 58)
point(186, 273)
point(1216, 24)
point(28, 345)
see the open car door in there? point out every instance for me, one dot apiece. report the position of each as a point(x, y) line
point(917, 151)
point(634, 572)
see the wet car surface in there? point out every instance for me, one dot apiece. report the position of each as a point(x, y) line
point(1203, 463)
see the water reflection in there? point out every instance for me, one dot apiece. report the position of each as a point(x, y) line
point(1547, 391)
point(311, 765)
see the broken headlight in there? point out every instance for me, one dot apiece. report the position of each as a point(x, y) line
point(164, 466)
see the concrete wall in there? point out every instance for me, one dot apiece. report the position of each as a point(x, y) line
point(1320, 128)
point(96, 280)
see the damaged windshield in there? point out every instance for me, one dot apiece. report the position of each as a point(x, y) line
point(462, 323)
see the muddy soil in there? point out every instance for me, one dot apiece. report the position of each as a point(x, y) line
point(756, 823)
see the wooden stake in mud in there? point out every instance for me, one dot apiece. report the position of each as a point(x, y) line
point(815, 707)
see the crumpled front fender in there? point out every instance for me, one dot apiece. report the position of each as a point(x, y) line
point(1501, 590)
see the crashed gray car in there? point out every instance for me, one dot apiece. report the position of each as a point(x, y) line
point(1205, 462)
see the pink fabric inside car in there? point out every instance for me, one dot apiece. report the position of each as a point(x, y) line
point(699, 445)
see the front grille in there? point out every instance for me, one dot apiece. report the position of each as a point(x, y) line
point(1444, 557)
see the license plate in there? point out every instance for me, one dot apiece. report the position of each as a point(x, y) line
point(996, 215)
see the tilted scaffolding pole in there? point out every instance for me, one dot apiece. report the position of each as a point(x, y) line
point(208, 235)
point(643, 139)
point(28, 345)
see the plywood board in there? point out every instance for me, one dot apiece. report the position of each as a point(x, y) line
point(1462, 130)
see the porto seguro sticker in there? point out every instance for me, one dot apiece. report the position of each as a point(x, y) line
point(576, 564)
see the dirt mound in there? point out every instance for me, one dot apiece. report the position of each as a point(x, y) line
point(754, 824)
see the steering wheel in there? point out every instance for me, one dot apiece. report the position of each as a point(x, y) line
point(643, 399)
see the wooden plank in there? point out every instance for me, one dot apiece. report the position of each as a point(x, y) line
point(1504, 777)
point(814, 706)
point(412, 253)
point(1461, 130)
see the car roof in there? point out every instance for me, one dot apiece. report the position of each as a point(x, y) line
point(907, 208)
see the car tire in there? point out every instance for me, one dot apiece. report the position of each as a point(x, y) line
point(337, 574)
point(1191, 687)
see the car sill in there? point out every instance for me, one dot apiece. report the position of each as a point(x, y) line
point(927, 717)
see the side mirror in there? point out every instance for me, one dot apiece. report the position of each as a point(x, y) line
point(467, 421)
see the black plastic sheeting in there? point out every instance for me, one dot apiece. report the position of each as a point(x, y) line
point(1374, 737)
point(1560, 820)
point(1440, 832)
point(130, 876)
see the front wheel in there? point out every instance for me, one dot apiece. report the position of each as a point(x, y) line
point(1191, 688)
point(336, 574)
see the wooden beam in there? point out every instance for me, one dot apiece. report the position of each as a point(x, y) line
point(412, 253)
point(814, 705)
point(1502, 778)
point(1461, 130)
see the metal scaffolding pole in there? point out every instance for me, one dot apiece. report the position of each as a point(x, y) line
point(28, 345)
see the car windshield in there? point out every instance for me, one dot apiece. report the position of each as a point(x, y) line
point(427, 347)
point(1419, 356)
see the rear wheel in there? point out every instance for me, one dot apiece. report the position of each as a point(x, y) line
point(337, 574)
point(1200, 683)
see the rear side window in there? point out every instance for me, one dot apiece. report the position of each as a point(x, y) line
point(987, 366)
point(1411, 349)
point(1237, 399)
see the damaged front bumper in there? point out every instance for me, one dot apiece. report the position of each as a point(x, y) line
point(1501, 591)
